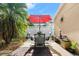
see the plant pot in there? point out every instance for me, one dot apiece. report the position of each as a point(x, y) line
point(77, 50)
point(65, 44)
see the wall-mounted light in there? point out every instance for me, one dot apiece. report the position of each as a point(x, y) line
point(61, 19)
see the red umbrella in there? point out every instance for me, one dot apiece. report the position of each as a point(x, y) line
point(39, 18)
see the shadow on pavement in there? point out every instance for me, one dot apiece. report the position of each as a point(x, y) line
point(40, 51)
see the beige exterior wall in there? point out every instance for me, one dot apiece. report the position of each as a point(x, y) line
point(70, 25)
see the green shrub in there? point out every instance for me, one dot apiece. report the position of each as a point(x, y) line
point(73, 45)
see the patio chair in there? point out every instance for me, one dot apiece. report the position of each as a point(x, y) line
point(39, 39)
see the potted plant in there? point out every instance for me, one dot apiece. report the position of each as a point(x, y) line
point(73, 47)
point(65, 42)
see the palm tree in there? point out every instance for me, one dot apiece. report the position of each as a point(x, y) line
point(12, 20)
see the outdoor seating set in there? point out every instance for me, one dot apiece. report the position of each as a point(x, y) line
point(39, 39)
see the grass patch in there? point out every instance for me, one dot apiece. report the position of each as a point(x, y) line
point(14, 44)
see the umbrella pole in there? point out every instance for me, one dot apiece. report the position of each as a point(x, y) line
point(39, 24)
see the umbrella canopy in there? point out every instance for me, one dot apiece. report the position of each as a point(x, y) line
point(39, 18)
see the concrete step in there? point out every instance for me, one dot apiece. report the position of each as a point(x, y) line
point(56, 47)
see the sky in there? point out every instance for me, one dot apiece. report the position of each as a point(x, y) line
point(42, 8)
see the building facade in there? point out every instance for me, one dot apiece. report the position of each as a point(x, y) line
point(67, 20)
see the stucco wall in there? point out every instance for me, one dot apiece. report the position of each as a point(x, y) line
point(70, 25)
